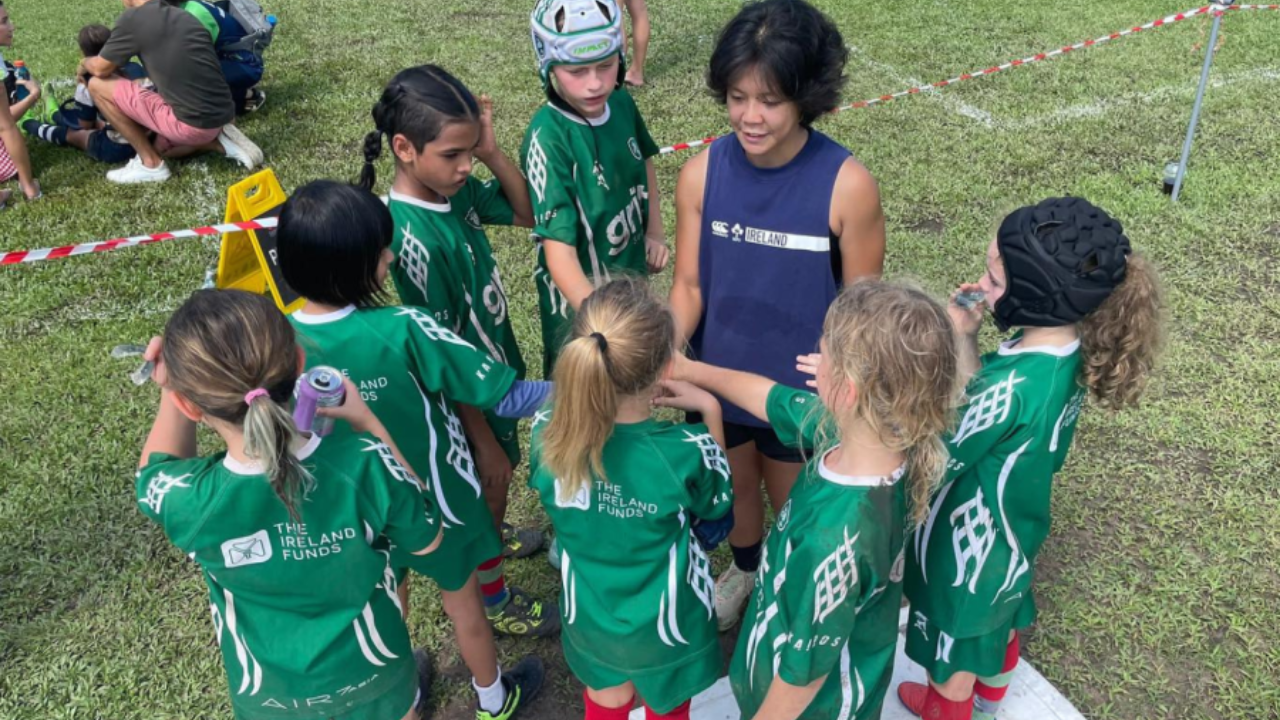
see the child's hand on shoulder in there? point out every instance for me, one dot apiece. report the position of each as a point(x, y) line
point(488, 145)
point(353, 411)
point(656, 253)
point(686, 396)
point(681, 367)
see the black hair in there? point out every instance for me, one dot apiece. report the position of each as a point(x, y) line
point(417, 103)
point(330, 239)
point(798, 50)
point(92, 39)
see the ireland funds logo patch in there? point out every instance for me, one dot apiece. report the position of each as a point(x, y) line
point(251, 550)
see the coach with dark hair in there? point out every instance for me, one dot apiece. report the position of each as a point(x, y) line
point(771, 221)
point(190, 109)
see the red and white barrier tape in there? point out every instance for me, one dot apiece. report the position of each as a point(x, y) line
point(1168, 20)
point(29, 256)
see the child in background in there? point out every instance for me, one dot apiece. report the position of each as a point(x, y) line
point(242, 69)
point(444, 264)
point(294, 623)
point(587, 156)
point(639, 13)
point(14, 159)
point(772, 220)
point(77, 123)
point(820, 633)
point(626, 494)
point(1088, 318)
point(334, 247)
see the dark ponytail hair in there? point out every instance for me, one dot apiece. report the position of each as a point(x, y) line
point(417, 103)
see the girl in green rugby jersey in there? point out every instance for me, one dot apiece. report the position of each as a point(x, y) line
point(277, 517)
point(588, 157)
point(618, 483)
point(334, 245)
point(444, 264)
point(1088, 314)
point(820, 633)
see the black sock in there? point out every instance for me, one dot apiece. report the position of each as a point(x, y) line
point(55, 134)
point(748, 558)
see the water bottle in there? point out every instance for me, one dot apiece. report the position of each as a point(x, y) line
point(21, 72)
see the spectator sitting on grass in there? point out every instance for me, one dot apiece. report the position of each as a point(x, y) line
point(190, 108)
point(77, 123)
point(14, 159)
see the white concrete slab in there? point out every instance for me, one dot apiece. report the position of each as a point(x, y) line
point(1030, 697)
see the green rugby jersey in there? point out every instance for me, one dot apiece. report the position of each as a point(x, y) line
point(829, 589)
point(970, 565)
point(411, 370)
point(444, 264)
point(589, 185)
point(305, 612)
point(637, 594)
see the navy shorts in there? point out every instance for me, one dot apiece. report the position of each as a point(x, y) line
point(241, 75)
point(103, 149)
point(766, 440)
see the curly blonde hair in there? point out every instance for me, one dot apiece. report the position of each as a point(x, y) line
point(1121, 339)
point(895, 345)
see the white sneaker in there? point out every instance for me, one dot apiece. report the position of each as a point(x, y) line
point(239, 147)
point(732, 591)
point(135, 172)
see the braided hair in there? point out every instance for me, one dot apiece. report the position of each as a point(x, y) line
point(418, 103)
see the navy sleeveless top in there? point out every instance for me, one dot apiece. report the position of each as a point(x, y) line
point(768, 263)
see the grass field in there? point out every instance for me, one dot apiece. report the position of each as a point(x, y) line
point(1159, 587)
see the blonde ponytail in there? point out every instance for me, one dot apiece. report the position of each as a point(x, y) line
point(586, 402)
point(233, 355)
point(926, 465)
point(269, 436)
point(622, 340)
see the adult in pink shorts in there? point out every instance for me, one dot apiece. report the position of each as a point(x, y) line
point(190, 108)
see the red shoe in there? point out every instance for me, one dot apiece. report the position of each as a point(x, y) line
point(913, 695)
point(924, 701)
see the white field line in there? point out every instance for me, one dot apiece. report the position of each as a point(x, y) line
point(99, 311)
point(952, 103)
point(1072, 112)
point(1168, 92)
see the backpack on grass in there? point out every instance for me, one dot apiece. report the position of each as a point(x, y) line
point(258, 29)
